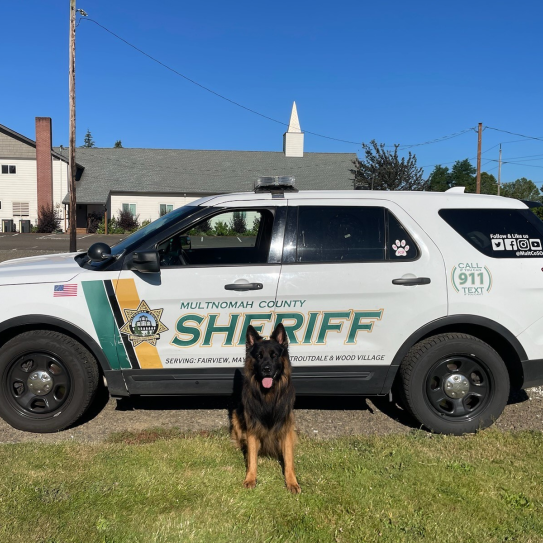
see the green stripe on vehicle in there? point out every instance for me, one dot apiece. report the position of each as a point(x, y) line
point(104, 324)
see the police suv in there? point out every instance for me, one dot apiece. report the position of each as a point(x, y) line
point(435, 296)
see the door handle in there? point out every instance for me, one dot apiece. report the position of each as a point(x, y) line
point(244, 286)
point(411, 281)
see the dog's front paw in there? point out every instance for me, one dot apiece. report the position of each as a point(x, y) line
point(249, 483)
point(294, 488)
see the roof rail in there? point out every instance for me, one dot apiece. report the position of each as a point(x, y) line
point(457, 189)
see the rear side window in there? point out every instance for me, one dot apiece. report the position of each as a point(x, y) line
point(499, 233)
point(351, 234)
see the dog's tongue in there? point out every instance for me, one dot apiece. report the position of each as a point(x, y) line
point(267, 382)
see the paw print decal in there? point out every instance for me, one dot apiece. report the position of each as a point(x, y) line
point(401, 248)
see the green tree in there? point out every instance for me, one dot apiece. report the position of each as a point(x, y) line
point(463, 175)
point(524, 189)
point(88, 141)
point(489, 184)
point(238, 223)
point(381, 169)
point(439, 179)
point(118, 144)
point(521, 189)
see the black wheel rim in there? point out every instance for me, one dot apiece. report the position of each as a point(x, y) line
point(38, 384)
point(459, 387)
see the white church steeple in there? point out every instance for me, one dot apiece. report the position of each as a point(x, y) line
point(293, 138)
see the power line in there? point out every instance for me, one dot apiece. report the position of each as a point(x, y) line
point(436, 140)
point(164, 65)
point(538, 138)
point(207, 88)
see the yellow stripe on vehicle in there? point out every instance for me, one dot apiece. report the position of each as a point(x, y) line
point(128, 298)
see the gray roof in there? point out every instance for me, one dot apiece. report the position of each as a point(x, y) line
point(201, 172)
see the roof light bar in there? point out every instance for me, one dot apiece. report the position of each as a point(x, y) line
point(275, 183)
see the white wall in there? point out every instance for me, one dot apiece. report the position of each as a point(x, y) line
point(147, 207)
point(60, 187)
point(19, 187)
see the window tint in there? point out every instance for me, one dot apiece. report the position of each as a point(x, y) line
point(229, 238)
point(499, 233)
point(400, 244)
point(340, 234)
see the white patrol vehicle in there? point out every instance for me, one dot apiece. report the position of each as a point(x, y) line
point(435, 295)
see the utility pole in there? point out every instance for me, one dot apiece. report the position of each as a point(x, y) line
point(71, 159)
point(479, 142)
point(500, 170)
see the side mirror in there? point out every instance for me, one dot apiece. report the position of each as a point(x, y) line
point(98, 252)
point(145, 262)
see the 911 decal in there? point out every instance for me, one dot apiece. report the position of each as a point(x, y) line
point(471, 279)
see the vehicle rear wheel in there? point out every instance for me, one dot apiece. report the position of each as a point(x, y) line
point(454, 383)
point(47, 381)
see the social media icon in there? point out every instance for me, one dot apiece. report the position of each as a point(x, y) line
point(510, 244)
point(523, 244)
point(497, 245)
point(535, 244)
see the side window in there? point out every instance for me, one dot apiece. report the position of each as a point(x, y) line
point(165, 208)
point(340, 234)
point(130, 207)
point(498, 233)
point(229, 238)
point(400, 244)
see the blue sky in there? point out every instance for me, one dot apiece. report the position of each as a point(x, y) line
point(398, 72)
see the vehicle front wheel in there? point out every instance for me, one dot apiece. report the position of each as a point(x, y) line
point(454, 383)
point(47, 381)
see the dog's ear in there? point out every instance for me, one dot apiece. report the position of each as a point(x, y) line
point(252, 336)
point(280, 335)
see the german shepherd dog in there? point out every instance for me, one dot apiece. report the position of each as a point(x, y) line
point(264, 421)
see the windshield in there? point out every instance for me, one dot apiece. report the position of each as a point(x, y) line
point(156, 226)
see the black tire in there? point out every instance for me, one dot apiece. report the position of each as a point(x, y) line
point(454, 384)
point(47, 381)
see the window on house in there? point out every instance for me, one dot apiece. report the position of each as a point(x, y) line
point(7, 168)
point(21, 209)
point(165, 208)
point(13, 169)
point(130, 207)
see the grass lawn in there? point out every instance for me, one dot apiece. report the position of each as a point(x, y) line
point(160, 486)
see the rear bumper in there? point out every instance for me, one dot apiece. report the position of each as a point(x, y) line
point(533, 373)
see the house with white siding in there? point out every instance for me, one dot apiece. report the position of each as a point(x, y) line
point(25, 165)
point(151, 182)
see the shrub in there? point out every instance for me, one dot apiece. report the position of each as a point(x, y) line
point(93, 221)
point(48, 220)
point(128, 222)
point(238, 224)
point(221, 229)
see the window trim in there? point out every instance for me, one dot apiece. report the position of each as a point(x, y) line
point(290, 244)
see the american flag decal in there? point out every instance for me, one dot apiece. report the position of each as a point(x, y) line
point(65, 290)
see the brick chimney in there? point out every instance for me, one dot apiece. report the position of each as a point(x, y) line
point(44, 162)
